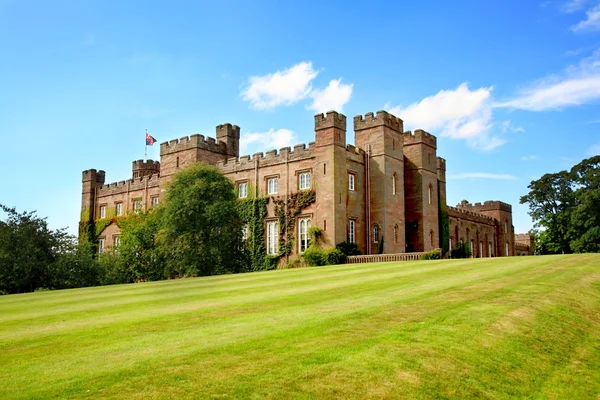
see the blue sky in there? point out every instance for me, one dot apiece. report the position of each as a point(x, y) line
point(510, 88)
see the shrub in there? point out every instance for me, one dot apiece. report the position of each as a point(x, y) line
point(349, 248)
point(432, 255)
point(295, 263)
point(315, 234)
point(335, 256)
point(315, 256)
point(462, 251)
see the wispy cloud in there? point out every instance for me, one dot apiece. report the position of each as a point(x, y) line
point(482, 175)
point(507, 126)
point(284, 87)
point(593, 150)
point(461, 113)
point(529, 158)
point(272, 139)
point(579, 84)
point(573, 6)
point(590, 23)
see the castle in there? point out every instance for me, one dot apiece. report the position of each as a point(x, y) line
point(389, 185)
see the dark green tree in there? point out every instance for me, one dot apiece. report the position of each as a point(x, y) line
point(202, 229)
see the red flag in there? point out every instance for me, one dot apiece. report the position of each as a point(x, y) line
point(149, 140)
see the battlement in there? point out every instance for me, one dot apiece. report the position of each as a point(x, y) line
point(195, 141)
point(355, 150)
point(271, 157)
point(441, 163)
point(130, 184)
point(524, 237)
point(488, 205)
point(463, 213)
point(93, 176)
point(228, 130)
point(419, 136)
point(382, 118)
point(331, 119)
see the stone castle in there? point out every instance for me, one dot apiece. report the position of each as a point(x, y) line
point(388, 185)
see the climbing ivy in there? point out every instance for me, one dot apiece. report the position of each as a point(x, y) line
point(296, 202)
point(253, 212)
point(444, 228)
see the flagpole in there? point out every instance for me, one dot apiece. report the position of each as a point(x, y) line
point(146, 146)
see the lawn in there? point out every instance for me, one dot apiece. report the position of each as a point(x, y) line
point(484, 328)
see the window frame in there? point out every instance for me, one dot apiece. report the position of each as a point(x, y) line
point(275, 188)
point(241, 185)
point(375, 233)
point(102, 211)
point(154, 201)
point(352, 230)
point(351, 181)
point(119, 209)
point(303, 237)
point(306, 181)
point(272, 228)
point(137, 205)
point(101, 245)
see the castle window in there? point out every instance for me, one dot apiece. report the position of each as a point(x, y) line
point(272, 236)
point(117, 241)
point(450, 243)
point(394, 177)
point(304, 181)
point(119, 209)
point(102, 211)
point(272, 185)
point(352, 231)
point(351, 182)
point(177, 163)
point(489, 249)
point(376, 234)
point(471, 245)
point(505, 227)
point(429, 193)
point(395, 233)
point(431, 238)
point(506, 248)
point(100, 246)
point(243, 190)
point(155, 201)
point(304, 240)
point(137, 206)
point(245, 232)
point(480, 250)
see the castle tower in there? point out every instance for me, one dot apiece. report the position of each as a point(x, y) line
point(331, 176)
point(91, 179)
point(380, 136)
point(141, 168)
point(441, 191)
point(421, 185)
point(230, 135)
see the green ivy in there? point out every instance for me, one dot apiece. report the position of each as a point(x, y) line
point(296, 202)
point(253, 212)
point(444, 228)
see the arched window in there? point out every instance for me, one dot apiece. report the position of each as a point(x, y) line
point(394, 177)
point(376, 234)
point(396, 233)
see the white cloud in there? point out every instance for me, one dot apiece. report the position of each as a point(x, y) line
point(529, 158)
point(333, 97)
point(591, 23)
point(507, 126)
point(579, 84)
point(459, 114)
point(273, 139)
point(284, 87)
point(481, 175)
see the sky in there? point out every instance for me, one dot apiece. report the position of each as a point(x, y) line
point(511, 89)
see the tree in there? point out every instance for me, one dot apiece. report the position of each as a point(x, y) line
point(202, 229)
point(565, 206)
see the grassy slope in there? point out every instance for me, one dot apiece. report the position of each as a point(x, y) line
point(498, 328)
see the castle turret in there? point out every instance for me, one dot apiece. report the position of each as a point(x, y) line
point(91, 179)
point(380, 136)
point(331, 176)
point(141, 168)
point(421, 181)
point(230, 136)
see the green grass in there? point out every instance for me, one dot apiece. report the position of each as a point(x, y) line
point(525, 327)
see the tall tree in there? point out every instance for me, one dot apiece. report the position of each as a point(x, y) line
point(202, 229)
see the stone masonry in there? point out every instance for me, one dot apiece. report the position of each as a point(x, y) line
point(388, 186)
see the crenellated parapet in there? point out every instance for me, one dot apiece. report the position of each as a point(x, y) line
point(419, 136)
point(144, 182)
point(141, 168)
point(92, 175)
point(271, 157)
point(381, 118)
point(441, 163)
point(227, 130)
point(195, 141)
point(490, 205)
point(463, 213)
point(331, 119)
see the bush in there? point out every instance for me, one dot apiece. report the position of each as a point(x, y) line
point(462, 251)
point(349, 248)
point(295, 263)
point(432, 255)
point(335, 256)
point(315, 256)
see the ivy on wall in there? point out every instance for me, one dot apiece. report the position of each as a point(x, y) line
point(253, 212)
point(296, 202)
point(444, 228)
